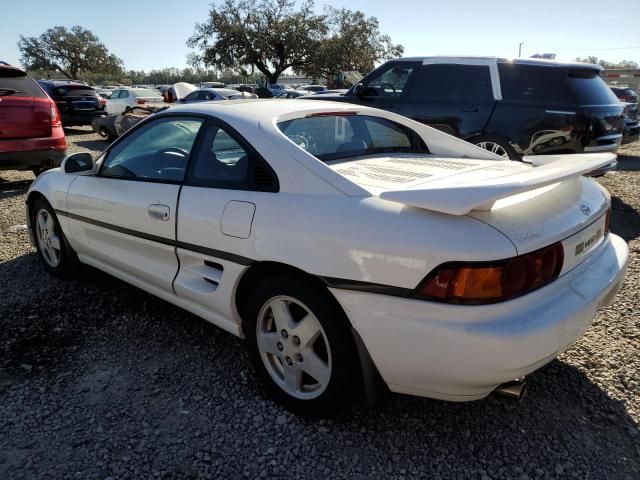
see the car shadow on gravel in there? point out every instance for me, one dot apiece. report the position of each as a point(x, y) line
point(625, 219)
point(126, 365)
point(13, 188)
point(78, 130)
point(628, 163)
point(95, 145)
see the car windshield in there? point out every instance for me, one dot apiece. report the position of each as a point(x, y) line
point(345, 135)
point(74, 90)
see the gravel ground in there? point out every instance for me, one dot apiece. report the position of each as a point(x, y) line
point(101, 380)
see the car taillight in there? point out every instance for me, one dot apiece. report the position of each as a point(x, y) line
point(102, 101)
point(139, 101)
point(491, 282)
point(55, 115)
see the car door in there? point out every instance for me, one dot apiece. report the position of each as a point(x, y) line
point(123, 219)
point(387, 87)
point(226, 183)
point(455, 98)
point(127, 99)
point(114, 104)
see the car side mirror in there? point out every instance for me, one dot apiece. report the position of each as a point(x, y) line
point(357, 90)
point(79, 163)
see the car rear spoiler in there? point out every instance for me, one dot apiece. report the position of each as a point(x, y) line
point(460, 198)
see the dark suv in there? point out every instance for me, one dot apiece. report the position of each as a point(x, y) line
point(79, 104)
point(511, 107)
point(31, 135)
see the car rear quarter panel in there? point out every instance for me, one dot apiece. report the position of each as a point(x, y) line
point(368, 239)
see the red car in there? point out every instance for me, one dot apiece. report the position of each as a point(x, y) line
point(31, 135)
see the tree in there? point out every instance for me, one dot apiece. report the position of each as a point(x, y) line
point(270, 35)
point(71, 51)
point(606, 64)
point(353, 42)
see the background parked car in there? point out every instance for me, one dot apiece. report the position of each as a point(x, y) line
point(311, 89)
point(31, 134)
point(629, 98)
point(276, 88)
point(111, 127)
point(625, 94)
point(463, 97)
point(78, 103)
point(213, 94)
point(131, 97)
point(292, 94)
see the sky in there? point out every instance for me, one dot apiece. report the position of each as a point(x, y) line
point(150, 34)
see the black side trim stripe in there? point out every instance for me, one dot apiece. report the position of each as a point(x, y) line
point(231, 257)
point(367, 287)
point(332, 282)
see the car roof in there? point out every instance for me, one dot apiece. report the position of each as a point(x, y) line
point(5, 66)
point(265, 110)
point(516, 61)
point(64, 83)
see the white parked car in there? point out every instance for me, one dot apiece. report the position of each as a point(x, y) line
point(215, 94)
point(312, 89)
point(122, 98)
point(343, 243)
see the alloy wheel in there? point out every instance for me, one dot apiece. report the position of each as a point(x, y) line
point(494, 148)
point(293, 347)
point(48, 239)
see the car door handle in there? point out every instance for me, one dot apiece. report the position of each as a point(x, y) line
point(159, 211)
point(470, 110)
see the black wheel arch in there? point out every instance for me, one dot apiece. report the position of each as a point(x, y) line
point(373, 387)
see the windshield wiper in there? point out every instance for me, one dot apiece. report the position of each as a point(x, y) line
point(8, 91)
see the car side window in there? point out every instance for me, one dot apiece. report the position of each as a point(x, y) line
point(123, 94)
point(453, 83)
point(191, 97)
point(224, 162)
point(114, 95)
point(159, 151)
point(390, 81)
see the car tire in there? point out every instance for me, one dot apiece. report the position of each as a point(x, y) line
point(57, 256)
point(308, 335)
point(496, 145)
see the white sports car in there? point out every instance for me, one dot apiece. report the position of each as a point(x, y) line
point(345, 244)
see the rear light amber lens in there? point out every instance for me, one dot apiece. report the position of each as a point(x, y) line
point(492, 282)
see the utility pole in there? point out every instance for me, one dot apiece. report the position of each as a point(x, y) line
point(520, 49)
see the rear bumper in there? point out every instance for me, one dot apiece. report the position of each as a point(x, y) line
point(461, 353)
point(81, 118)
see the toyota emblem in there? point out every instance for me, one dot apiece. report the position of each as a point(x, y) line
point(585, 209)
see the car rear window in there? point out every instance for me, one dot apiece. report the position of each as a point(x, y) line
point(332, 137)
point(18, 84)
point(74, 91)
point(589, 88)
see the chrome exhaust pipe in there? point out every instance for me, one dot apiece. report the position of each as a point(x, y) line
point(516, 389)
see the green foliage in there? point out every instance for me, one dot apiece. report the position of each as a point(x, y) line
point(71, 51)
point(607, 64)
point(268, 35)
point(353, 43)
